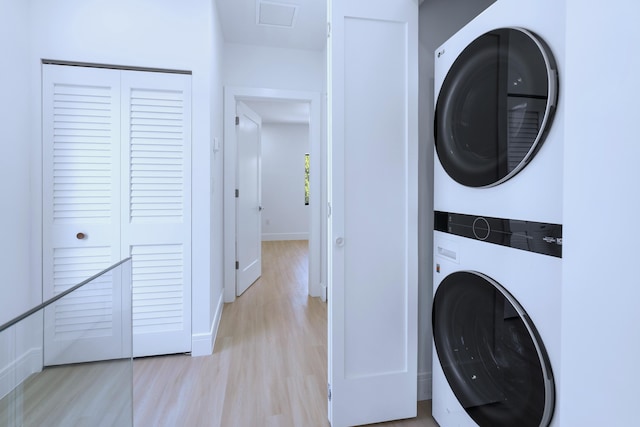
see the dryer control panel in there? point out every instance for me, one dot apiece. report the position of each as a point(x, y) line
point(538, 237)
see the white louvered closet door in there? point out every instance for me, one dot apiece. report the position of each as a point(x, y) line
point(81, 194)
point(116, 167)
point(156, 226)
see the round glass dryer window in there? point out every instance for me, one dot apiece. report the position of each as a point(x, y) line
point(495, 107)
point(491, 353)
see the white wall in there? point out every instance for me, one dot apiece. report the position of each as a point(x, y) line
point(600, 290)
point(439, 20)
point(273, 68)
point(285, 216)
point(19, 229)
point(146, 33)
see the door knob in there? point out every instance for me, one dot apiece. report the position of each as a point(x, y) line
point(340, 241)
point(81, 236)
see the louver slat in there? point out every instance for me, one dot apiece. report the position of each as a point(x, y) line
point(88, 312)
point(158, 292)
point(82, 117)
point(157, 156)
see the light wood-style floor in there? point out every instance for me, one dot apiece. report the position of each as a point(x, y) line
point(269, 366)
point(78, 395)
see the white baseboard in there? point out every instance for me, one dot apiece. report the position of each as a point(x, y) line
point(284, 236)
point(425, 390)
point(202, 344)
point(19, 370)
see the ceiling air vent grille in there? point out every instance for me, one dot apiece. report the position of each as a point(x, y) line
point(276, 14)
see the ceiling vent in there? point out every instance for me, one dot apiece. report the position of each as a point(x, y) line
point(276, 14)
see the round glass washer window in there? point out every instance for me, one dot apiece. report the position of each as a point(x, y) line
point(495, 107)
point(491, 354)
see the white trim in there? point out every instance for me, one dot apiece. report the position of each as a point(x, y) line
point(425, 390)
point(231, 96)
point(268, 237)
point(202, 344)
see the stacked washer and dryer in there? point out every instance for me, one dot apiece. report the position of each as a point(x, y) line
point(498, 215)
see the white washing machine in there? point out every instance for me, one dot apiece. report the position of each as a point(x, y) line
point(498, 129)
point(496, 321)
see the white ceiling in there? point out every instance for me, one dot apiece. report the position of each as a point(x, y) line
point(239, 19)
point(240, 24)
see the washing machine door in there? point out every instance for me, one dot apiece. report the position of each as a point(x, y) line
point(491, 353)
point(495, 107)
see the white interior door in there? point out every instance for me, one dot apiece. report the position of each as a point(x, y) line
point(156, 214)
point(248, 198)
point(373, 225)
point(116, 168)
point(81, 211)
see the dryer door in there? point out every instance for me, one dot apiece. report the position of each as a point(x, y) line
point(495, 107)
point(491, 353)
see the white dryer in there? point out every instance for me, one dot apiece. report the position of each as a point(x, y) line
point(496, 321)
point(498, 131)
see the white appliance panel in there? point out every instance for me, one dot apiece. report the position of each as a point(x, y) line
point(532, 279)
point(535, 193)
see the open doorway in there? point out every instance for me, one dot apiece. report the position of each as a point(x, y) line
point(285, 144)
point(303, 107)
point(272, 203)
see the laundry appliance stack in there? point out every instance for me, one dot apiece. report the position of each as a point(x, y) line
point(498, 218)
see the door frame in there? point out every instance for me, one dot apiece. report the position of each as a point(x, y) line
point(317, 195)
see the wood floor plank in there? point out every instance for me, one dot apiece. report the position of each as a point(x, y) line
point(269, 365)
point(88, 394)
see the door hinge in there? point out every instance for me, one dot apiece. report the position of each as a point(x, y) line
point(329, 392)
point(237, 193)
point(328, 30)
point(328, 210)
point(237, 120)
point(237, 265)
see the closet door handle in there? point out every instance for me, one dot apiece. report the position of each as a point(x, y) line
point(81, 236)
